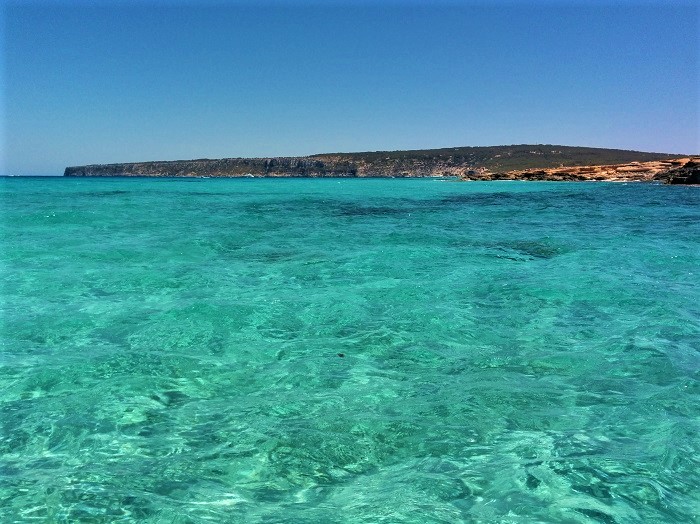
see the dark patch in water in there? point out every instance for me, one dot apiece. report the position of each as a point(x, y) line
point(105, 193)
point(170, 398)
point(516, 258)
point(596, 515)
point(299, 205)
point(170, 487)
point(378, 211)
point(477, 198)
point(386, 207)
point(595, 490)
point(532, 482)
point(98, 292)
point(519, 250)
point(207, 193)
point(530, 199)
point(271, 256)
point(532, 249)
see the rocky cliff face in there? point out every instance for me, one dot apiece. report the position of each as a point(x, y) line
point(689, 173)
point(676, 171)
point(317, 166)
point(320, 166)
point(227, 167)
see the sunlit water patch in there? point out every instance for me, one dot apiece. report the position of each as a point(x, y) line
point(349, 351)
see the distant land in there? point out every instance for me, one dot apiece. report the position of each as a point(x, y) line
point(538, 162)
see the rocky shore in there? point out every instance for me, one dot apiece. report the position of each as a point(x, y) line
point(688, 173)
point(676, 171)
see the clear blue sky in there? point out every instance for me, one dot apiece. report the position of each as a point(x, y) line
point(132, 81)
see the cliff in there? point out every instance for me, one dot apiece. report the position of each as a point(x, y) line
point(688, 173)
point(484, 163)
point(674, 171)
point(226, 167)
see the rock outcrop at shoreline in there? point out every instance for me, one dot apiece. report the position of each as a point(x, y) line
point(522, 162)
point(689, 173)
point(676, 171)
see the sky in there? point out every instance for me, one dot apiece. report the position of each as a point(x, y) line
point(137, 80)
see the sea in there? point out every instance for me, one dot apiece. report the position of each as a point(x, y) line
point(183, 350)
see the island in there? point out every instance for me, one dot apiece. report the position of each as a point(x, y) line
point(516, 162)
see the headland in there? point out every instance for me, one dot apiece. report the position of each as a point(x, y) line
point(516, 162)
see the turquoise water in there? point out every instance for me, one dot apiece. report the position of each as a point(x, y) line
point(513, 352)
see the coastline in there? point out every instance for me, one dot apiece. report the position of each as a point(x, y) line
point(678, 171)
point(521, 162)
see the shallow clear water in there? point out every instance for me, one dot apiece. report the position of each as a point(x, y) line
point(513, 352)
